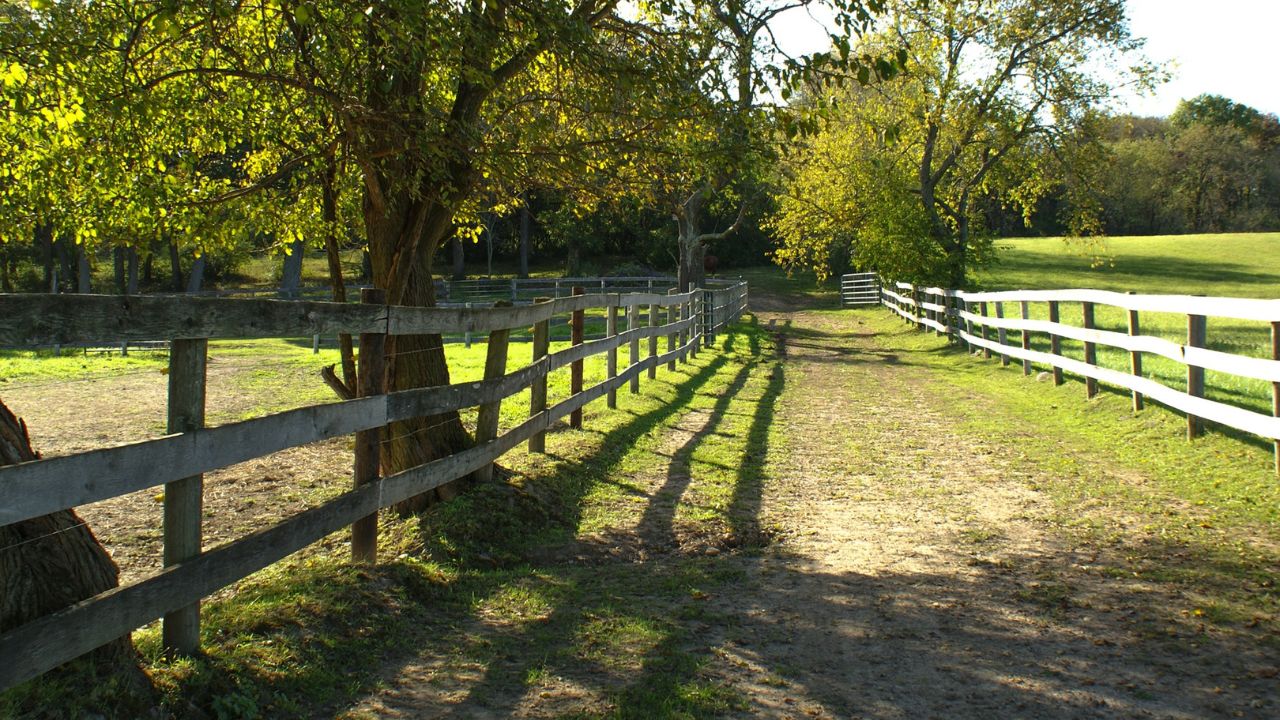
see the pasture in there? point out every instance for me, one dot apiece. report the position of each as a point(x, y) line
point(1229, 265)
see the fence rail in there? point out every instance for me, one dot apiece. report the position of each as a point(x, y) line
point(964, 317)
point(688, 321)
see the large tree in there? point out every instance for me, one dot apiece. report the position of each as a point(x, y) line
point(436, 111)
point(999, 102)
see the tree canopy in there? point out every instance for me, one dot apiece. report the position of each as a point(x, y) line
point(999, 104)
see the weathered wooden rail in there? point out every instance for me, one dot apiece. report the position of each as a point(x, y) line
point(178, 460)
point(965, 317)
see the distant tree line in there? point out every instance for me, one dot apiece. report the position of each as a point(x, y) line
point(1212, 166)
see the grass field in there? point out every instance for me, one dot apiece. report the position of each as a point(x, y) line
point(1229, 265)
point(1225, 265)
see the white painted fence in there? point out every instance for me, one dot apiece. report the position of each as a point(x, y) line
point(965, 317)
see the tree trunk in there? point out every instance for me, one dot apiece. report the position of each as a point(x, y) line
point(84, 281)
point(197, 275)
point(572, 259)
point(329, 210)
point(53, 561)
point(175, 267)
point(459, 259)
point(44, 237)
point(117, 261)
point(131, 274)
point(149, 267)
point(691, 272)
point(291, 276)
point(6, 270)
point(413, 361)
point(66, 262)
point(525, 221)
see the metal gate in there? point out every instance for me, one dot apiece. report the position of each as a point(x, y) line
point(859, 289)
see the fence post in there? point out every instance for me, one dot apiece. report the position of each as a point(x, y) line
point(1026, 338)
point(184, 499)
point(1002, 335)
point(695, 326)
point(673, 316)
point(917, 311)
point(538, 390)
point(575, 369)
point(495, 366)
point(653, 339)
point(1090, 349)
point(513, 290)
point(369, 381)
point(633, 322)
point(1275, 386)
point(986, 351)
point(1055, 342)
point(1135, 357)
point(611, 358)
point(708, 317)
point(1196, 331)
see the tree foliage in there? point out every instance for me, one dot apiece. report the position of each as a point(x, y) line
point(1212, 166)
point(999, 103)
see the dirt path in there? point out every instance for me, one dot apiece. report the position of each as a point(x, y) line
point(918, 574)
point(922, 577)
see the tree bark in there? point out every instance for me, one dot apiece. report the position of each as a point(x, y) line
point(117, 261)
point(291, 275)
point(84, 281)
point(175, 267)
point(131, 273)
point(53, 561)
point(44, 237)
point(413, 361)
point(459, 259)
point(691, 272)
point(196, 280)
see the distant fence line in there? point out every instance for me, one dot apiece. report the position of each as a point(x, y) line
point(688, 321)
point(449, 292)
point(974, 317)
point(468, 293)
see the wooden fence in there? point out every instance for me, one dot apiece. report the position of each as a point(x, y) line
point(974, 317)
point(859, 289)
point(178, 460)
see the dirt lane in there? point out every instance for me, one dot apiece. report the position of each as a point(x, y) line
point(920, 576)
point(909, 570)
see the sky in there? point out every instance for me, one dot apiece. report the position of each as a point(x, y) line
point(1223, 47)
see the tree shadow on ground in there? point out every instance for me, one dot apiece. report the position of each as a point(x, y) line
point(660, 631)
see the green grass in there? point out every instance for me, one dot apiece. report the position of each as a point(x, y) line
point(1228, 265)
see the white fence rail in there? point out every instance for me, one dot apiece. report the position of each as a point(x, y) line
point(965, 317)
